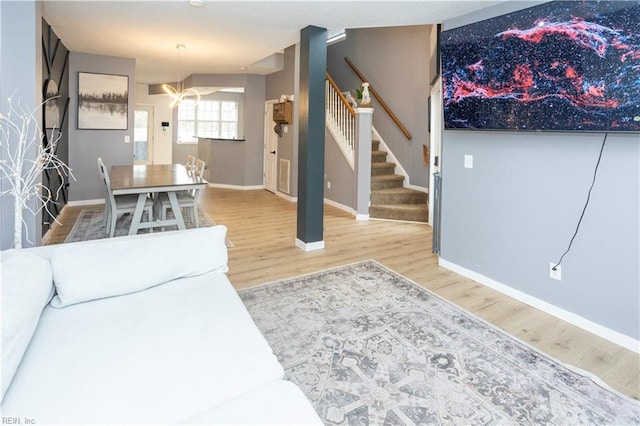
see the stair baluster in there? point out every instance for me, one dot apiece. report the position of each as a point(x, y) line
point(340, 119)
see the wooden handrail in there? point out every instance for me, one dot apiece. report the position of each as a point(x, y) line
point(382, 103)
point(342, 97)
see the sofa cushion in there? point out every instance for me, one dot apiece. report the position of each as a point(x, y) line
point(117, 266)
point(158, 356)
point(26, 288)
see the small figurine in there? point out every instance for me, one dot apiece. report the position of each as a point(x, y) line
point(366, 99)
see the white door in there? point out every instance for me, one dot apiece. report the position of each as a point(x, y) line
point(435, 156)
point(270, 149)
point(143, 135)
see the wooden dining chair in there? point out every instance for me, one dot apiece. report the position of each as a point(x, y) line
point(200, 166)
point(115, 205)
point(191, 162)
point(187, 200)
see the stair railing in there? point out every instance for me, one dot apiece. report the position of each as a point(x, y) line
point(341, 119)
point(383, 104)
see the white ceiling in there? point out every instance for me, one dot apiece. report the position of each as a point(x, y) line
point(222, 36)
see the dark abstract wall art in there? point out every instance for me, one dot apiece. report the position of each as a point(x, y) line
point(560, 66)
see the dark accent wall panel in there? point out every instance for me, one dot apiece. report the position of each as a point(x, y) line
point(55, 121)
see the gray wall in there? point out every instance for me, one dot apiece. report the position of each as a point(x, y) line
point(515, 211)
point(279, 83)
point(396, 62)
point(21, 79)
point(254, 130)
point(338, 171)
point(85, 146)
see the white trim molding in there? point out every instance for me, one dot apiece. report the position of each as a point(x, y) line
point(238, 187)
point(340, 206)
point(286, 196)
point(570, 317)
point(418, 188)
point(363, 217)
point(316, 245)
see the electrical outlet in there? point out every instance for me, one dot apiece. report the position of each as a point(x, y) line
point(556, 274)
point(328, 185)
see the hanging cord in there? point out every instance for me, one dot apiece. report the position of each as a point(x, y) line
point(595, 173)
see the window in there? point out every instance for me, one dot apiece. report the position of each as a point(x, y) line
point(209, 119)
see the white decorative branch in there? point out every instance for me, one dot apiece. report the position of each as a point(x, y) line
point(23, 160)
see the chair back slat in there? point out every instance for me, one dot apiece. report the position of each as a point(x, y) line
point(200, 166)
point(104, 174)
point(191, 162)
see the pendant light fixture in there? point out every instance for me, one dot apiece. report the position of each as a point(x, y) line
point(179, 93)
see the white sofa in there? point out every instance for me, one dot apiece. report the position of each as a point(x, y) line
point(136, 330)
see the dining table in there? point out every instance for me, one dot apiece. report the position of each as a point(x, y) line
point(145, 179)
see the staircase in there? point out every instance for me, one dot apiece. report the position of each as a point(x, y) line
point(389, 199)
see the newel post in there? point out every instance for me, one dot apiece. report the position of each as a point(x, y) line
point(364, 120)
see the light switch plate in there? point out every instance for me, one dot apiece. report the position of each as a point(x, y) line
point(127, 139)
point(468, 161)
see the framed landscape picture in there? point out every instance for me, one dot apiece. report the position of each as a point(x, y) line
point(103, 101)
point(52, 104)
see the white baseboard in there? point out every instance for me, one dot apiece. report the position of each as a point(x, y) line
point(85, 202)
point(417, 188)
point(363, 217)
point(340, 206)
point(316, 245)
point(287, 197)
point(239, 187)
point(570, 317)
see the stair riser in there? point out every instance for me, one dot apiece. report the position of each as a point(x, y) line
point(379, 157)
point(412, 198)
point(382, 170)
point(388, 213)
point(386, 184)
point(375, 145)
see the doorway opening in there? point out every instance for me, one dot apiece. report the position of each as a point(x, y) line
point(270, 178)
point(143, 135)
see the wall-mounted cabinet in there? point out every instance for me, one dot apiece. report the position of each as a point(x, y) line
point(282, 112)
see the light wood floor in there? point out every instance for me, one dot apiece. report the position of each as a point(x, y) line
point(262, 227)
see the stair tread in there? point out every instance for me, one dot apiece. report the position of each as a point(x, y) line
point(418, 207)
point(397, 190)
point(383, 164)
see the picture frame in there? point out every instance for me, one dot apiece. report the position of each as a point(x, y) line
point(103, 101)
point(51, 115)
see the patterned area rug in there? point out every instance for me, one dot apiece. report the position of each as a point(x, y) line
point(369, 346)
point(88, 225)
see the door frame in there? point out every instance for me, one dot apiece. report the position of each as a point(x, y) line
point(269, 133)
point(435, 140)
point(150, 127)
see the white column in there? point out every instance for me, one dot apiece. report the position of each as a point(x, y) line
point(364, 120)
